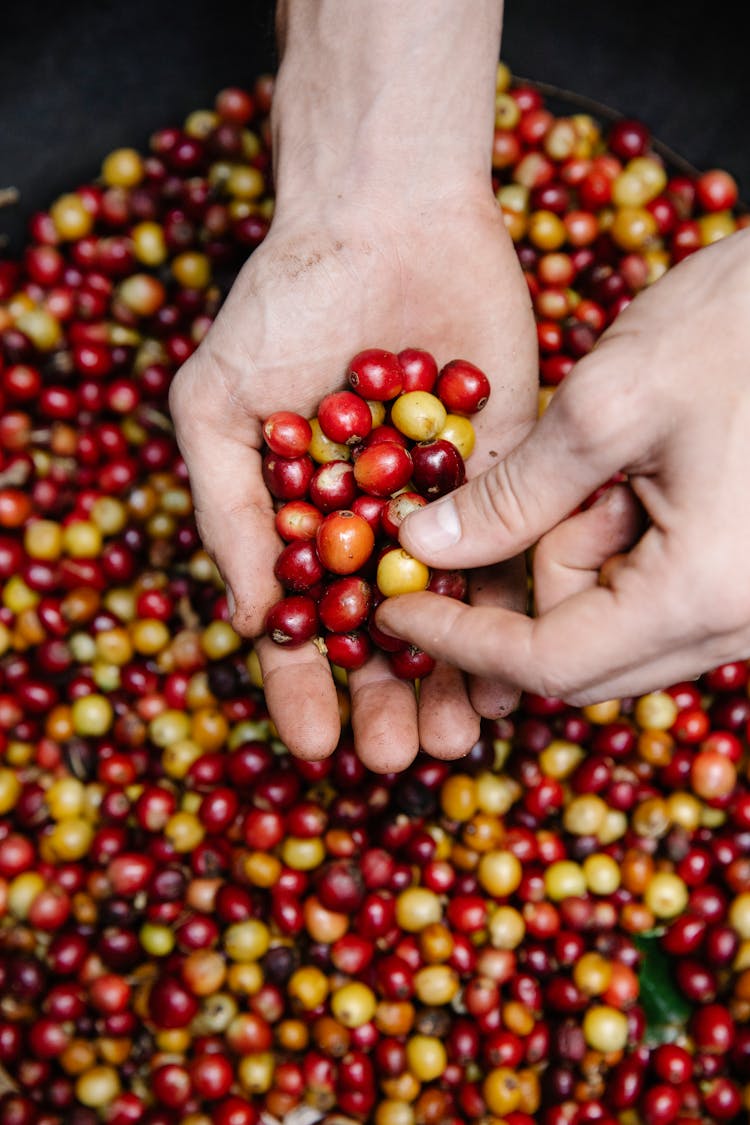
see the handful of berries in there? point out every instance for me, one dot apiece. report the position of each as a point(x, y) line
point(346, 480)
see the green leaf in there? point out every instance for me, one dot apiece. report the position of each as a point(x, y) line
point(665, 1007)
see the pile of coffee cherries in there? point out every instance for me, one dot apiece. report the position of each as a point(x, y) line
point(198, 929)
point(347, 479)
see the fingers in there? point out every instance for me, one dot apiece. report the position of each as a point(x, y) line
point(568, 558)
point(384, 717)
point(469, 637)
point(448, 724)
point(301, 698)
point(595, 637)
point(504, 585)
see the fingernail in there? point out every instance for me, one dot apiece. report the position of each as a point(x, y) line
point(435, 527)
point(231, 603)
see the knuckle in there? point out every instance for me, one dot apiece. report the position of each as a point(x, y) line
point(585, 697)
point(546, 663)
point(601, 403)
point(545, 556)
point(503, 502)
point(554, 684)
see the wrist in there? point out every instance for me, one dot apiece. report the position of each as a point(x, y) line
point(388, 102)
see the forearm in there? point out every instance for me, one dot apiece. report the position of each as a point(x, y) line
point(391, 98)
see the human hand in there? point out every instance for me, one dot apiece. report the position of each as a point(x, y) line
point(665, 397)
point(321, 287)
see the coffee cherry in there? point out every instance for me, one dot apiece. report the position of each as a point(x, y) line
point(348, 650)
point(418, 415)
point(716, 190)
point(459, 431)
point(462, 387)
point(438, 468)
point(287, 433)
point(298, 567)
point(419, 369)
point(450, 583)
point(411, 663)
point(396, 510)
point(376, 374)
point(333, 485)
point(322, 449)
point(345, 604)
point(298, 519)
point(400, 573)
point(292, 621)
point(383, 468)
point(344, 417)
point(287, 478)
point(345, 542)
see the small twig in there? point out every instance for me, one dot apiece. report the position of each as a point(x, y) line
point(8, 196)
point(7, 1085)
point(15, 476)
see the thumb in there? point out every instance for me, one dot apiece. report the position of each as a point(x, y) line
point(233, 509)
point(235, 519)
point(577, 445)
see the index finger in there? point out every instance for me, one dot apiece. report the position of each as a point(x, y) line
point(592, 639)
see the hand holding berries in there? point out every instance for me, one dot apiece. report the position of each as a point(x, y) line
point(293, 318)
point(394, 436)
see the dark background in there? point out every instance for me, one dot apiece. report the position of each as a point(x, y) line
point(78, 79)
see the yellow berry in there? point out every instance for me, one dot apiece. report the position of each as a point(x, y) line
point(605, 1029)
point(400, 573)
point(353, 1004)
point(426, 1057)
point(419, 415)
point(71, 217)
point(92, 715)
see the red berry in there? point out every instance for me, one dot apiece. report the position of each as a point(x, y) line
point(345, 604)
point(298, 567)
point(298, 520)
point(287, 478)
point(397, 509)
point(411, 663)
point(419, 369)
point(333, 486)
point(438, 467)
point(462, 387)
point(344, 417)
point(287, 433)
point(292, 621)
point(376, 374)
point(449, 583)
point(382, 469)
point(629, 138)
point(716, 190)
point(348, 650)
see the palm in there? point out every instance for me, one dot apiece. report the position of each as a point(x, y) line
point(308, 299)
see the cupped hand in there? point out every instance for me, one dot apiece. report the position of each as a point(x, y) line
point(664, 397)
point(322, 286)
